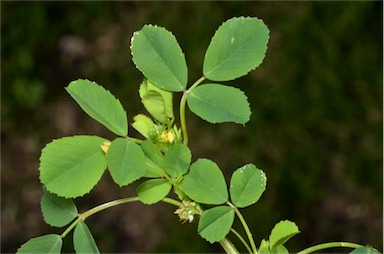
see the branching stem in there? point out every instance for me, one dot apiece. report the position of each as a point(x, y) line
point(242, 240)
point(245, 226)
point(182, 109)
point(81, 217)
point(228, 246)
point(86, 214)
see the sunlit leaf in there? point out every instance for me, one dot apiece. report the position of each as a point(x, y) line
point(247, 185)
point(205, 183)
point(126, 161)
point(282, 232)
point(279, 249)
point(100, 104)
point(365, 250)
point(70, 167)
point(218, 103)
point(215, 223)
point(46, 244)
point(158, 102)
point(238, 46)
point(264, 247)
point(83, 241)
point(159, 57)
point(143, 124)
point(57, 211)
point(153, 191)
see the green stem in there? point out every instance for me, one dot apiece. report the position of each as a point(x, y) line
point(228, 246)
point(241, 239)
point(182, 109)
point(330, 245)
point(71, 227)
point(136, 140)
point(164, 174)
point(245, 226)
point(107, 205)
point(86, 214)
point(172, 202)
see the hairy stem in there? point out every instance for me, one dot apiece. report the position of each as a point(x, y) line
point(182, 109)
point(324, 246)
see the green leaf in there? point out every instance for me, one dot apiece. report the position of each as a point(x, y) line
point(43, 244)
point(205, 183)
point(143, 124)
point(70, 167)
point(215, 223)
point(247, 185)
point(159, 57)
point(365, 250)
point(218, 103)
point(83, 240)
point(57, 211)
point(153, 191)
point(177, 160)
point(238, 46)
point(158, 102)
point(279, 249)
point(264, 247)
point(126, 161)
point(154, 158)
point(152, 152)
point(100, 104)
point(282, 232)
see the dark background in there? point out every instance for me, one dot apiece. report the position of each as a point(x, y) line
point(316, 127)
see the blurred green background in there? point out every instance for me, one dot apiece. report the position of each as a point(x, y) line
point(316, 127)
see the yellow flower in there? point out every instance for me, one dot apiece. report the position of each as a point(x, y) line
point(168, 136)
point(105, 146)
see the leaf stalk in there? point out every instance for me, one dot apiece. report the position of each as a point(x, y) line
point(228, 246)
point(330, 245)
point(183, 101)
point(245, 226)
